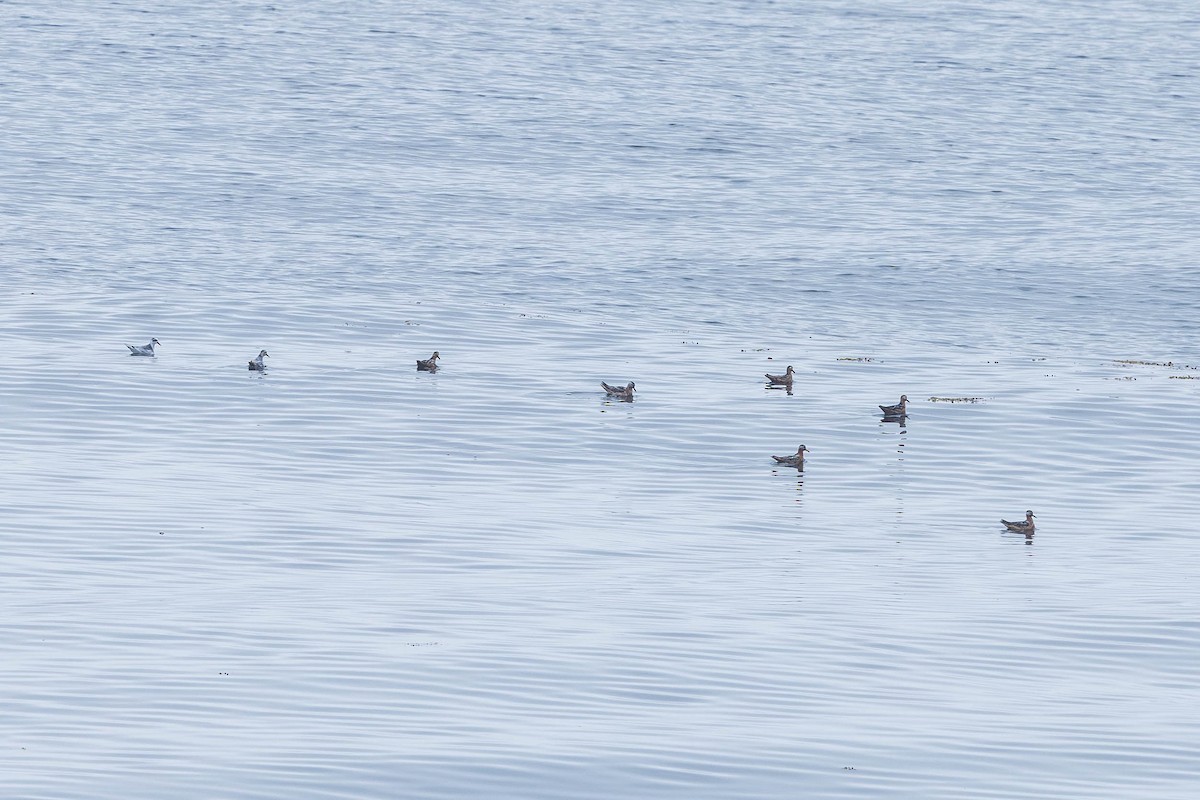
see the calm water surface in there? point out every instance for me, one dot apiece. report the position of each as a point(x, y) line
point(347, 579)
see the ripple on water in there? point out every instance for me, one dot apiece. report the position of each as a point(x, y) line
point(341, 576)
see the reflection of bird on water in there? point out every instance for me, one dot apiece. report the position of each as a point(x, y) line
point(143, 350)
point(257, 364)
point(1025, 527)
point(429, 364)
point(898, 410)
point(793, 461)
point(622, 392)
point(781, 380)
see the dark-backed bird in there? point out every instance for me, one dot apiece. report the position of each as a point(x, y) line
point(623, 392)
point(793, 461)
point(898, 410)
point(429, 364)
point(784, 379)
point(1021, 527)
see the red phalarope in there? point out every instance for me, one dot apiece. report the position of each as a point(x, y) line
point(143, 350)
point(784, 380)
point(429, 364)
point(1025, 527)
point(793, 461)
point(898, 410)
point(620, 392)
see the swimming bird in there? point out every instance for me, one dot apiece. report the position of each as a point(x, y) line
point(898, 410)
point(429, 364)
point(622, 392)
point(257, 364)
point(784, 379)
point(793, 461)
point(143, 350)
point(1025, 527)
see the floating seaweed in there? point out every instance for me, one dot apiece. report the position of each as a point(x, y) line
point(859, 359)
point(1142, 363)
point(1184, 377)
point(1139, 363)
point(956, 399)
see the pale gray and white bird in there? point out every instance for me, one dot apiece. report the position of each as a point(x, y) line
point(143, 350)
point(256, 364)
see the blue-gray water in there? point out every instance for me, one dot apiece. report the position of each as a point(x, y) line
point(347, 579)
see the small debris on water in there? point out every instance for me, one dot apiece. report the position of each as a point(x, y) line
point(956, 399)
point(1139, 363)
